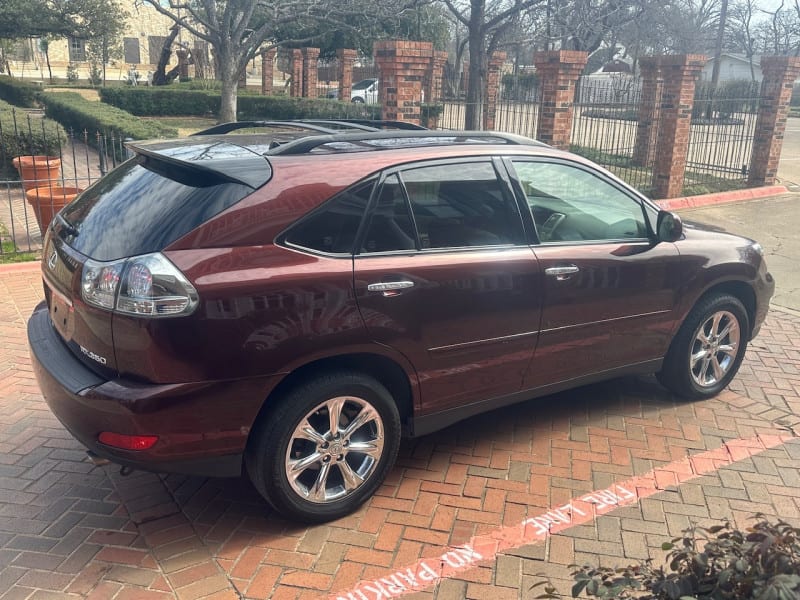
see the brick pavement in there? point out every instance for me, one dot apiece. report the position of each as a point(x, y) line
point(68, 529)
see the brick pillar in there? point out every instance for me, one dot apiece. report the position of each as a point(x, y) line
point(346, 58)
point(267, 71)
point(310, 73)
point(558, 73)
point(644, 150)
point(780, 73)
point(402, 66)
point(296, 89)
point(680, 74)
point(492, 92)
point(432, 85)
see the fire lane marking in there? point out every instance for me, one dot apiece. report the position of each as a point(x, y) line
point(426, 573)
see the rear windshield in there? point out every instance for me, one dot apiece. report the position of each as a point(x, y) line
point(144, 205)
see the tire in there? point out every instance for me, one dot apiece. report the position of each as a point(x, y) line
point(358, 100)
point(708, 349)
point(278, 443)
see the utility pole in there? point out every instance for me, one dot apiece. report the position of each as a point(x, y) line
point(723, 15)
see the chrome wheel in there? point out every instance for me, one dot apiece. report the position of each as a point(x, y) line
point(334, 449)
point(714, 349)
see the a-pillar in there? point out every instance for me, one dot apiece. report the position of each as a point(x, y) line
point(492, 92)
point(649, 111)
point(267, 71)
point(310, 73)
point(558, 75)
point(779, 75)
point(296, 89)
point(402, 66)
point(680, 74)
point(346, 57)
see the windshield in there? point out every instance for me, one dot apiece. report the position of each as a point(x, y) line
point(144, 205)
point(363, 84)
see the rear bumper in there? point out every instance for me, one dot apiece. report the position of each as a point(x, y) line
point(202, 427)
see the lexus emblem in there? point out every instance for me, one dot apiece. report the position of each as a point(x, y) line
point(51, 262)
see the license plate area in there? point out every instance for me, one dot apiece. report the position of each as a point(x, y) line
point(62, 314)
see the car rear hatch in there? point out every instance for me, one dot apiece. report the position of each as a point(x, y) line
point(129, 216)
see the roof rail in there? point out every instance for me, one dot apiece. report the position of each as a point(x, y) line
point(373, 123)
point(223, 128)
point(307, 144)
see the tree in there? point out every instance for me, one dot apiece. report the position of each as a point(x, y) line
point(486, 21)
point(238, 29)
point(741, 30)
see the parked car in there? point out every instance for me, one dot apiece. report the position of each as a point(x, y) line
point(362, 91)
point(288, 304)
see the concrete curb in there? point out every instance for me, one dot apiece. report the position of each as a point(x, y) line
point(721, 197)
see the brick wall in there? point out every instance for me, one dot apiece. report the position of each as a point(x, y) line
point(402, 66)
point(558, 73)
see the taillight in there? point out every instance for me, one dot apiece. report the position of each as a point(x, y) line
point(148, 286)
point(127, 442)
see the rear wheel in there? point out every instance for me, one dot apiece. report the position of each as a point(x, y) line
point(326, 447)
point(358, 100)
point(708, 349)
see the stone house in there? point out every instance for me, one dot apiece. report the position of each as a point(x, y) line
point(141, 43)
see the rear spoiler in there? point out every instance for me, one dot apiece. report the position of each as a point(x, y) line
point(252, 170)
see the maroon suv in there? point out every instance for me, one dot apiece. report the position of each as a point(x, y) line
point(290, 302)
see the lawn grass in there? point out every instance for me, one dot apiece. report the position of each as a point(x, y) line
point(9, 253)
point(184, 125)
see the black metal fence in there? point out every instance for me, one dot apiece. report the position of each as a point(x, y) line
point(81, 158)
point(606, 123)
point(721, 135)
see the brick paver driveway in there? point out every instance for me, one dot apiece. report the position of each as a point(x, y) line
point(68, 529)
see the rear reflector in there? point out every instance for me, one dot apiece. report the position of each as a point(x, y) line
point(128, 442)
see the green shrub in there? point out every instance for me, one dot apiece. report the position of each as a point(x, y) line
point(281, 108)
point(79, 115)
point(18, 92)
point(74, 112)
point(180, 100)
point(21, 134)
point(761, 563)
point(162, 101)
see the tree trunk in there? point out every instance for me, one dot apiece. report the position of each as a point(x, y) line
point(477, 77)
point(160, 77)
point(230, 83)
point(47, 58)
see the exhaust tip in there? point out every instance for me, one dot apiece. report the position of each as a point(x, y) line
point(97, 461)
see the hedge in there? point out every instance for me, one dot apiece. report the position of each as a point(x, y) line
point(74, 112)
point(21, 135)
point(18, 92)
point(181, 101)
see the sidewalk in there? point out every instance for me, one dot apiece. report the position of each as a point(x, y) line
point(598, 474)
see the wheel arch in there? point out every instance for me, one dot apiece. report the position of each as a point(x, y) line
point(739, 289)
point(386, 370)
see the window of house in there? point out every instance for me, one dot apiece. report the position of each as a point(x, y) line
point(77, 50)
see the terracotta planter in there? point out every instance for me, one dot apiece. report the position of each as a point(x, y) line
point(37, 171)
point(47, 201)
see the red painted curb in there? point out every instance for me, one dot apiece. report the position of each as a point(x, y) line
point(22, 267)
point(721, 197)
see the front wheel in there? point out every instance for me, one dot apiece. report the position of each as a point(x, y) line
point(326, 447)
point(708, 349)
point(358, 100)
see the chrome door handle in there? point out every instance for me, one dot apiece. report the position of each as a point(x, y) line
point(390, 288)
point(561, 273)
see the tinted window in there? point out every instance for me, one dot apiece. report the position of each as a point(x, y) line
point(390, 226)
point(143, 206)
point(332, 229)
point(571, 204)
point(462, 205)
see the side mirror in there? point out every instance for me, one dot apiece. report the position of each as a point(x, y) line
point(669, 227)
